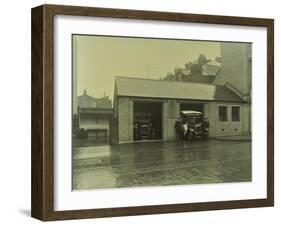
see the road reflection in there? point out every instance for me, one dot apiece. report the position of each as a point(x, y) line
point(161, 163)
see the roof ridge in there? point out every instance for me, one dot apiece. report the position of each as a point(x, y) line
point(168, 81)
point(83, 95)
point(176, 90)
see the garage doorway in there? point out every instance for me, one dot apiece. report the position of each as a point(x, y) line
point(147, 120)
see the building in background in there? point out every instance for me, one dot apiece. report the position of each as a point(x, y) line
point(220, 89)
point(94, 118)
point(236, 66)
point(94, 124)
point(87, 101)
point(236, 71)
point(227, 112)
point(202, 70)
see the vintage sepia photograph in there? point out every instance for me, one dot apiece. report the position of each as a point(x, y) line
point(160, 112)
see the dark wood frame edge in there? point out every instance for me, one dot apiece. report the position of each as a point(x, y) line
point(42, 197)
point(36, 113)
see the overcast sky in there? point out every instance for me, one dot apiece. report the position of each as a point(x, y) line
point(100, 59)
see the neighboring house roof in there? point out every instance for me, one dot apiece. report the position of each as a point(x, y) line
point(96, 111)
point(201, 79)
point(212, 68)
point(86, 101)
point(186, 71)
point(138, 87)
point(214, 63)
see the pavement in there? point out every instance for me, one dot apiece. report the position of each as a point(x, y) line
point(245, 137)
point(161, 164)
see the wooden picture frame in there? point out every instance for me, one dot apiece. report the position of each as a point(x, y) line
point(42, 203)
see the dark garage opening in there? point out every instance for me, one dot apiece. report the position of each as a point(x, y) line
point(147, 121)
point(192, 107)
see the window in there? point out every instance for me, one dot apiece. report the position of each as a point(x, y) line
point(235, 114)
point(223, 113)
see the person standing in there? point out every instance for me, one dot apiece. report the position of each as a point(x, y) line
point(178, 129)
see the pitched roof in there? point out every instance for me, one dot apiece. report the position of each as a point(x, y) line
point(211, 68)
point(138, 87)
point(214, 63)
point(86, 101)
point(96, 111)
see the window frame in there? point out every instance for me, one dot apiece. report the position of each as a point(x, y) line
point(226, 112)
point(239, 114)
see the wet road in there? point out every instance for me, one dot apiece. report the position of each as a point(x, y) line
point(161, 163)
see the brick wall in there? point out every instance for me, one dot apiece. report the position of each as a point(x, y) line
point(94, 122)
point(228, 128)
point(125, 119)
point(236, 66)
point(171, 110)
